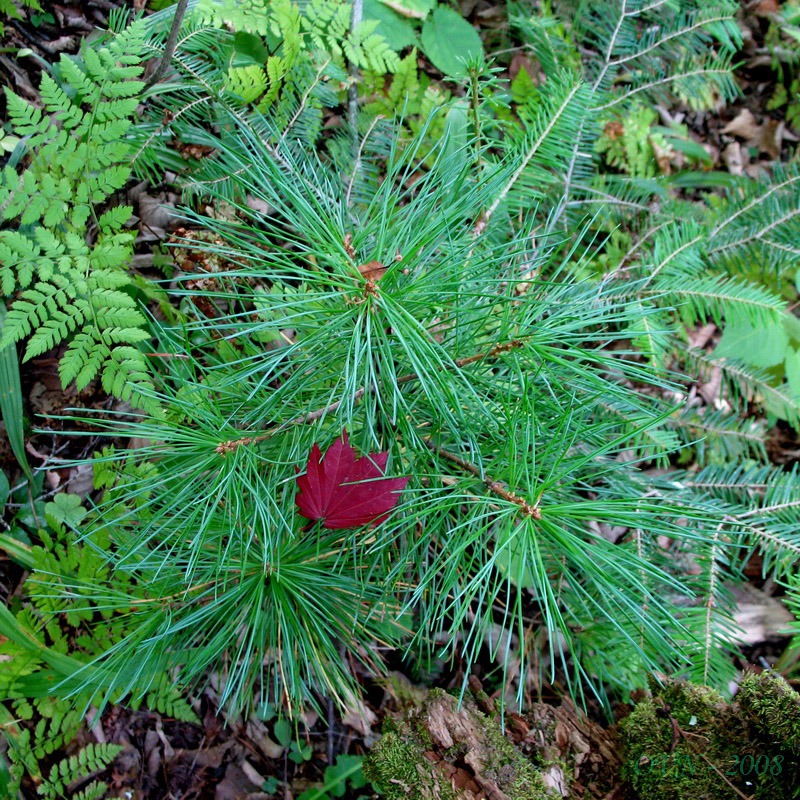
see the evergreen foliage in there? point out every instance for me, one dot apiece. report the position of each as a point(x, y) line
point(708, 262)
point(512, 357)
point(69, 263)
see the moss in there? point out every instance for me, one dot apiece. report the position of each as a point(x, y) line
point(686, 741)
point(774, 707)
point(397, 767)
point(438, 749)
point(403, 691)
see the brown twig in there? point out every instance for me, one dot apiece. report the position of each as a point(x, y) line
point(526, 509)
point(223, 448)
point(169, 47)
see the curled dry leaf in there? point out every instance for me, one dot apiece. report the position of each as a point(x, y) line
point(347, 242)
point(743, 125)
point(372, 270)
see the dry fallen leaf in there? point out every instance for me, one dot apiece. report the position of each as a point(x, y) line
point(760, 616)
point(734, 158)
point(411, 13)
point(260, 206)
point(358, 715)
point(347, 243)
point(743, 125)
point(771, 138)
point(157, 212)
point(767, 136)
point(519, 62)
point(766, 7)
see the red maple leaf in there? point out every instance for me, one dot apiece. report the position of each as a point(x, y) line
point(346, 491)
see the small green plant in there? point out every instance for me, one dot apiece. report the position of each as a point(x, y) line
point(285, 735)
point(27, 747)
point(637, 146)
point(64, 266)
point(346, 776)
point(9, 10)
point(438, 30)
point(49, 639)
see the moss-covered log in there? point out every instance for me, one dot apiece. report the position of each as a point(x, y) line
point(443, 749)
point(439, 750)
point(685, 741)
point(681, 742)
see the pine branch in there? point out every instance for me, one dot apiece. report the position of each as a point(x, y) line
point(526, 509)
point(223, 448)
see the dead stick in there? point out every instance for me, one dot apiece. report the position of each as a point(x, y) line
point(169, 47)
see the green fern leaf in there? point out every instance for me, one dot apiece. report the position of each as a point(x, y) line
point(73, 290)
point(89, 759)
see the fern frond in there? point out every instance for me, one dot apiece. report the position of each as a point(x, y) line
point(88, 760)
point(73, 292)
point(369, 50)
point(93, 791)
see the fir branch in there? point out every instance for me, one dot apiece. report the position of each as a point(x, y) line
point(754, 203)
point(302, 104)
point(665, 81)
point(668, 37)
point(358, 157)
point(770, 509)
point(708, 634)
point(484, 219)
point(790, 214)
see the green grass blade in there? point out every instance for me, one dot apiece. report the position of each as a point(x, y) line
point(11, 401)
